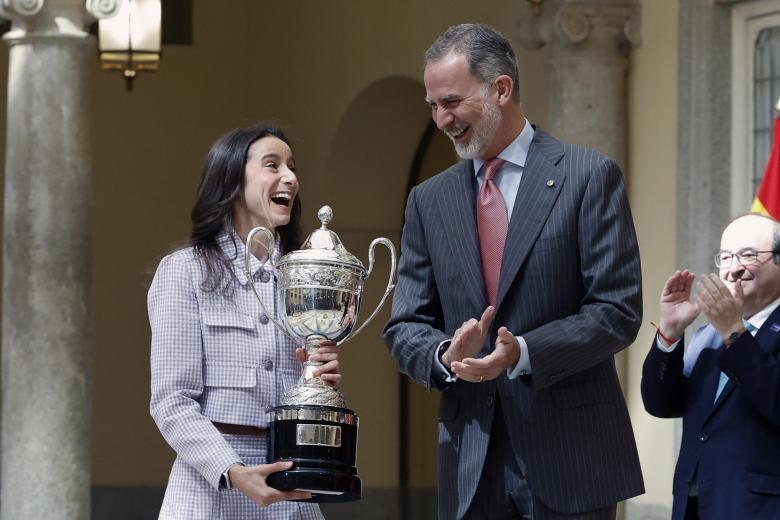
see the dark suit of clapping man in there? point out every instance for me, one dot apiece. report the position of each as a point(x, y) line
point(726, 386)
point(519, 281)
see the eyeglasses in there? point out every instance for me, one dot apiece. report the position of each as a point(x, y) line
point(745, 257)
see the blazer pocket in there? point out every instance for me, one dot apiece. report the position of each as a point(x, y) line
point(229, 336)
point(226, 317)
point(229, 375)
point(448, 408)
point(763, 484)
point(587, 393)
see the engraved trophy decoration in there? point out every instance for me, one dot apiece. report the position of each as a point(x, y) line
point(320, 288)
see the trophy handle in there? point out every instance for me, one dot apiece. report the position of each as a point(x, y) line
point(390, 286)
point(248, 269)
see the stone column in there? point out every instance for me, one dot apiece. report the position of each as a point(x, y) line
point(589, 42)
point(46, 327)
point(704, 129)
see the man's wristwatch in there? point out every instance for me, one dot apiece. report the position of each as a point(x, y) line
point(442, 349)
point(734, 336)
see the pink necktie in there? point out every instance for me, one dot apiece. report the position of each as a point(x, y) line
point(492, 225)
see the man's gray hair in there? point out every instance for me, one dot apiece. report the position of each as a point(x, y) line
point(489, 54)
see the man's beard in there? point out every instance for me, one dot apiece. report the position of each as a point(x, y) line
point(483, 132)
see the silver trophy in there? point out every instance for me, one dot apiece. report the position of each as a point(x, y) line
point(320, 288)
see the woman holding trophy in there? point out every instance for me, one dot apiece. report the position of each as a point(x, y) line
point(217, 362)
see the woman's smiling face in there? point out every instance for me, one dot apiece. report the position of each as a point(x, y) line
point(270, 185)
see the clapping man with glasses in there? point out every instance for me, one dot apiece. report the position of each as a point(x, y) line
point(726, 384)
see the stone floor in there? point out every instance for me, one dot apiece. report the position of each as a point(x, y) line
point(143, 503)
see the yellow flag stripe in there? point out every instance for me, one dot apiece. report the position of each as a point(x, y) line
point(758, 207)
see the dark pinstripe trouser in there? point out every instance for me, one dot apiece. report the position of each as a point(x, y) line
point(505, 495)
point(500, 494)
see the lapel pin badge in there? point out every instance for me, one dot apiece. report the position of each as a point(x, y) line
point(550, 183)
point(775, 327)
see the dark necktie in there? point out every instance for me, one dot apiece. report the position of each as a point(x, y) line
point(492, 225)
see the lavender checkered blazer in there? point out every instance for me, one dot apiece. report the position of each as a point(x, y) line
point(570, 284)
point(216, 357)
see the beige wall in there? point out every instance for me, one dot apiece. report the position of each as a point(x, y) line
point(652, 175)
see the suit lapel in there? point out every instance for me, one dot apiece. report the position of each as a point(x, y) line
point(768, 336)
point(457, 205)
point(539, 188)
point(713, 385)
point(768, 339)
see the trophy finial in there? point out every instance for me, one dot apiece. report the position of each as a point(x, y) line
point(325, 214)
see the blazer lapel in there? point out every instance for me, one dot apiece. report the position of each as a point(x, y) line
point(539, 188)
point(457, 205)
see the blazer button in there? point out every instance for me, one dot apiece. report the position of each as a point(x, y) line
point(264, 276)
point(704, 437)
point(490, 401)
point(268, 364)
point(263, 318)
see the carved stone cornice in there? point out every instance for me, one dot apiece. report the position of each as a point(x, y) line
point(604, 26)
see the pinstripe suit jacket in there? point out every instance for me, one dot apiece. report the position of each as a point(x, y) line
point(570, 284)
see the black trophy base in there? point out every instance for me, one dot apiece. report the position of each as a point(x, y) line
point(325, 485)
point(321, 442)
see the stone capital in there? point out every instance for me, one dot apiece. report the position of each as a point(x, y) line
point(16, 9)
point(605, 25)
point(46, 20)
point(103, 8)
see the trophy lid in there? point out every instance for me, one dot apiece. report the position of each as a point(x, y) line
point(323, 245)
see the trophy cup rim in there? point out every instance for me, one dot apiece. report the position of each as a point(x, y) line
point(320, 258)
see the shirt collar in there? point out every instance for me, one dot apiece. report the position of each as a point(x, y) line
point(233, 249)
point(517, 151)
point(758, 319)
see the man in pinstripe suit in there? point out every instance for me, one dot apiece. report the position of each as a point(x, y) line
point(532, 422)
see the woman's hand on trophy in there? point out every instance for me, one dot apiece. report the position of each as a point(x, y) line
point(327, 353)
point(250, 480)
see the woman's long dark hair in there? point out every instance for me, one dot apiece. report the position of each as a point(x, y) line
point(223, 179)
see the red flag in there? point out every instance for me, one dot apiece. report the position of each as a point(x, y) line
point(767, 199)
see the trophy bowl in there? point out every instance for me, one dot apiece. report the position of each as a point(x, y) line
point(320, 299)
point(320, 289)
